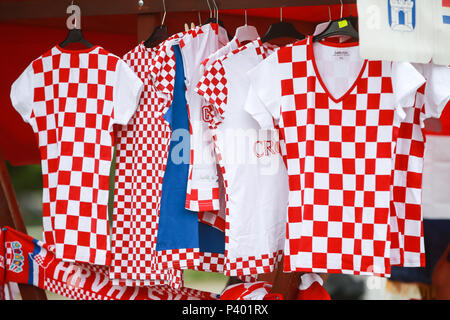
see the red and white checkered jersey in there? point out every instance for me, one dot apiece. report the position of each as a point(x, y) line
point(255, 177)
point(202, 189)
point(141, 157)
point(72, 98)
point(338, 144)
point(407, 243)
point(162, 74)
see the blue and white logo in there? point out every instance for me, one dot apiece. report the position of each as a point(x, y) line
point(402, 15)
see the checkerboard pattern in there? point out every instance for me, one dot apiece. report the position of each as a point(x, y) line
point(141, 155)
point(407, 242)
point(71, 292)
point(72, 116)
point(339, 159)
point(213, 85)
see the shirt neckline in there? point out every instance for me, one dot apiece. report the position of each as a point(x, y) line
point(319, 77)
point(76, 51)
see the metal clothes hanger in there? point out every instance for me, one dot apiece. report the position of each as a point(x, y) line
point(246, 32)
point(75, 35)
point(215, 18)
point(160, 33)
point(282, 29)
point(212, 17)
point(342, 26)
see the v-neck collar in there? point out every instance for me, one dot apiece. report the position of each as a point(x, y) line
point(319, 77)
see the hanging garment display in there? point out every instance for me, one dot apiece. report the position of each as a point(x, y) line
point(178, 228)
point(141, 155)
point(232, 157)
point(337, 115)
point(256, 184)
point(208, 38)
point(214, 218)
point(72, 98)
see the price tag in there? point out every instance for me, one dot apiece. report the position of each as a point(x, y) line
point(343, 23)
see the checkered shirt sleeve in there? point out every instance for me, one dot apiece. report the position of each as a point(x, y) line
point(213, 86)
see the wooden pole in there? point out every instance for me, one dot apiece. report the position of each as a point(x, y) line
point(10, 216)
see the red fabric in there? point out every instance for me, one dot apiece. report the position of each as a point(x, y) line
point(445, 122)
point(314, 292)
point(29, 261)
point(254, 291)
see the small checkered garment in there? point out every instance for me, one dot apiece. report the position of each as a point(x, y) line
point(72, 98)
point(215, 218)
point(407, 242)
point(203, 189)
point(141, 155)
point(224, 87)
point(338, 153)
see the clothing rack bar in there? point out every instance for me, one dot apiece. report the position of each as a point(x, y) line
point(34, 9)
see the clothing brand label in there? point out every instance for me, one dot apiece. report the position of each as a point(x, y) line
point(341, 54)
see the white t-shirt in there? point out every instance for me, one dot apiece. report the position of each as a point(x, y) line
point(255, 177)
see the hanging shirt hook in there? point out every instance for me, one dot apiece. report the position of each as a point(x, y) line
point(164, 15)
point(245, 16)
point(217, 11)
point(342, 8)
point(210, 11)
point(281, 14)
point(329, 13)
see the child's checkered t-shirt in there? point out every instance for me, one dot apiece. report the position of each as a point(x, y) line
point(337, 140)
point(72, 98)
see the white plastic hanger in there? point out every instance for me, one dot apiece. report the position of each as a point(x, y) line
point(322, 26)
point(246, 32)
